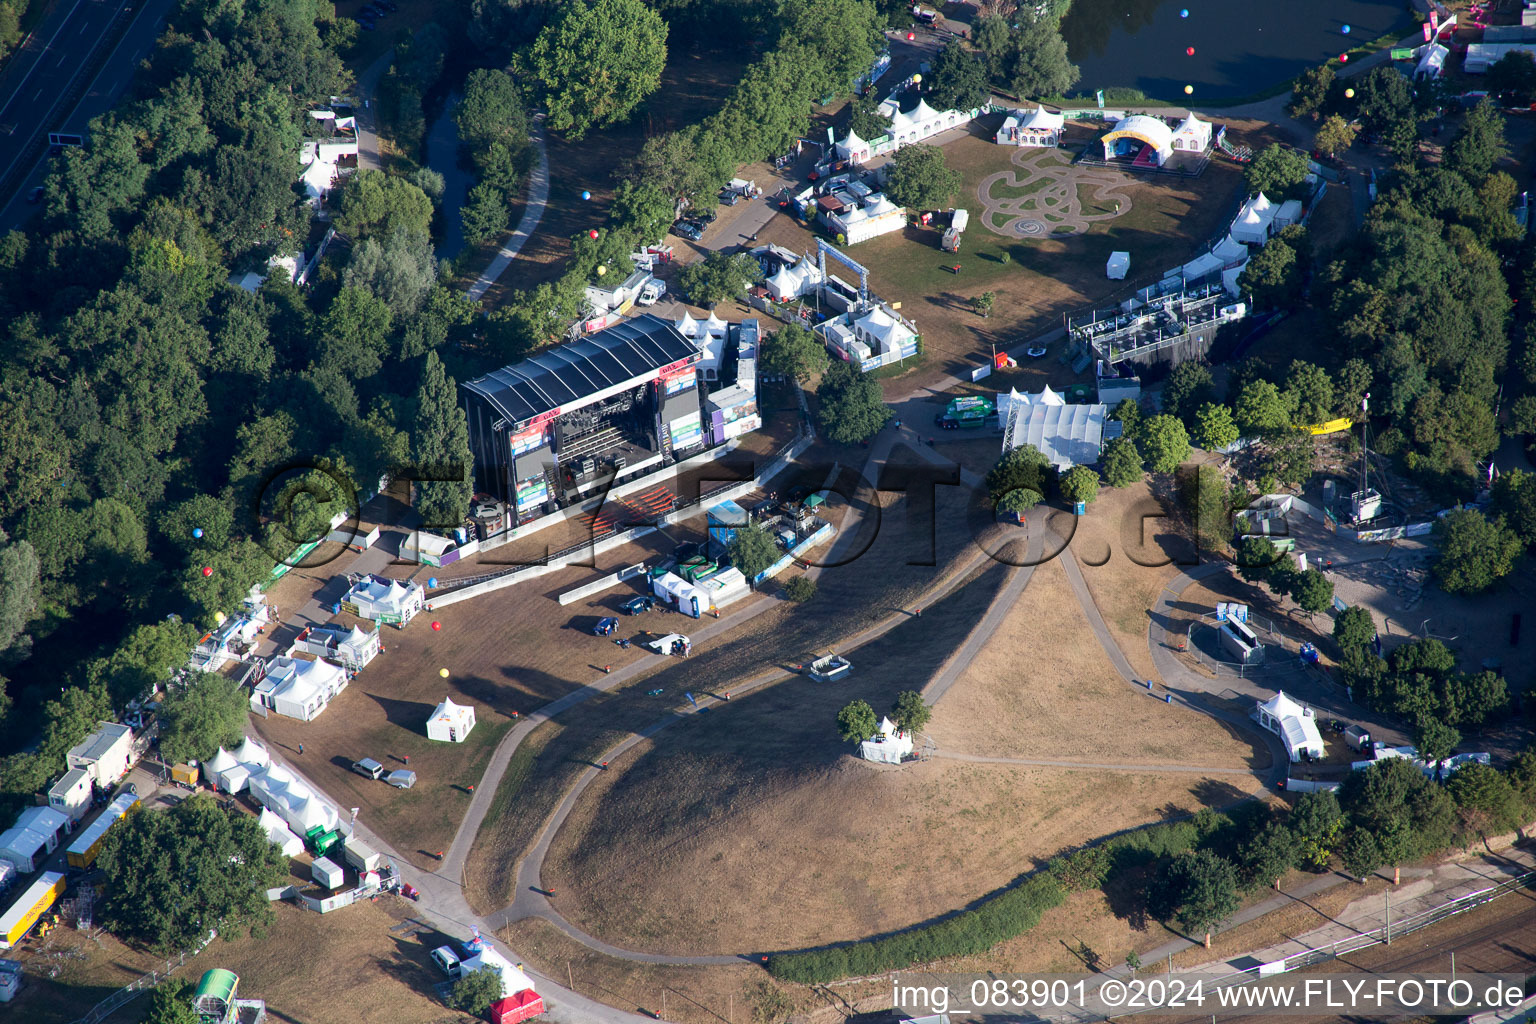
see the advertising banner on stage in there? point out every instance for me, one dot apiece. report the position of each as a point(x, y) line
point(686, 431)
point(531, 492)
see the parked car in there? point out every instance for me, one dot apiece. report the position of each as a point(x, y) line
point(636, 605)
point(605, 627)
point(368, 767)
point(730, 198)
point(401, 778)
point(36, 195)
point(448, 960)
point(684, 229)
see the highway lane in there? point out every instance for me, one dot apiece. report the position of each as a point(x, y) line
point(56, 58)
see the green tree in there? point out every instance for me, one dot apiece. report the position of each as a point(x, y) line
point(719, 276)
point(1080, 483)
point(1269, 855)
point(1361, 853)
point(440, 445)
point(1514, 501)
point(1273, 276)
point(1200, 890)
point(1188, 387)
point(865, 119)
point(983, 303)
point(1122, 463)
point(491, 110)
point(956, 80)
point(919, 178)
point(475, 991)
point(851, 407)
point(1206, 500)
point(1485, 791)
point(1310, 91)
point(1317, 822)
point(1038, 64)
point(1128, 412)
point(800, 589)
point(1479, 144)
point(1513, 78)
point(1276, 170)
point(910, 712)
point(19, 586)
point(1256, 558)
point(1384, 99)
point(175, 875)
point(794, 352)
point(1023, 468)
point(372, 202)
point(1522, 774)
point(856, 721)
point(1214, 427)
point(994, 40)
point(1475, 552)
point(752, 550)
point(1313, 591)
point(1165, 443)
point(1435, 740)
point(400, 271)
point(171, 1003)
point(1353, 627)
point(201, 715)
point(1335, 135)
point(595, 63)
point(1261, 409)
point(484, 214)
point(144, 660)
point(1309, 392)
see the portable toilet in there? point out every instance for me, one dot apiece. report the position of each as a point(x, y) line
point(10, 979)
point(327, 872)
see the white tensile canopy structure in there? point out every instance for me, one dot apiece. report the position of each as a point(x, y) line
point(225, 772)
point(279, 834)
point(1067, 435)
point(1192, 135)
point(513, 980)
point(293, 800)
point(888, 746)
point(1295, 725)
point(253, 755)
point(450, 722)
point(785, 285)
point(853, 149)
point(688, 327)
point(1231, 251)
point(881, 331)
point(1253, 220)
point(300, 689)
point(1119, 263)
point(385, 600)
point(715, 326)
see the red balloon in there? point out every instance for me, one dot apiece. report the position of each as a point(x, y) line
point(437, 626)
point(910, 37)
point(207, 570)
point(593, 233)
point(1343, 58)
point(1190, 52)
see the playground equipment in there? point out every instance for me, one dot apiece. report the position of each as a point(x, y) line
point(1240, 154)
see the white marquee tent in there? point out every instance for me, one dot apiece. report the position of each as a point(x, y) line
point(293, 800)
point(279, 834)
point(1295, 725)
point(225, 772)
point(384, 600)
point(253, 755)
point(299, 689)
point(888, 746)
point(450, 722)
point(1231, 251)
point(1253, 220)
point(1068, 435)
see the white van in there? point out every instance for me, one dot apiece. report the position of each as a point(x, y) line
point(652, 292)
point(448, 960)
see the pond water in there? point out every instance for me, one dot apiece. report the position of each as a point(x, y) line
point(1242, 47)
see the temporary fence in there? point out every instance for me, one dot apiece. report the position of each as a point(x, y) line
point(102, 1010)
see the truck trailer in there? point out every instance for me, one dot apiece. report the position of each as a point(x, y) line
point(29, 906)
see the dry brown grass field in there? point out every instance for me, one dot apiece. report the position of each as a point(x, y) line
point(1043, 687)
point(346, 967)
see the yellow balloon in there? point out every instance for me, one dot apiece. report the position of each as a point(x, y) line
point(1349, 94)
point(601, 271)
point(916, 79)
point(443, 673)
point(219, 617)
point(1188, 89)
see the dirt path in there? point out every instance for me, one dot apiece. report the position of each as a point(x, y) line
point(538, 195)
point(1051, 203)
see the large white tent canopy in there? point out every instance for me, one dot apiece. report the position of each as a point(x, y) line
point(1294, 724)
point(1253, 220)
point(1067, 435)
point(888, 746)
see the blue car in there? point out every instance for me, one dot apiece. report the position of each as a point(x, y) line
point(636, 605)
point(605, 627)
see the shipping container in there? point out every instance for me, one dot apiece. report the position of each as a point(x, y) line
point(29, 906)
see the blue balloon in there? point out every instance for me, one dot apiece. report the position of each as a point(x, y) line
point(1184, 13)
point(1346, 30)
point(198, 532)
point(432, 581)
point(588, 195)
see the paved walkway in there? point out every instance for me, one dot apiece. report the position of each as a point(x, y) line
point(533, 212)
point(1107, 766)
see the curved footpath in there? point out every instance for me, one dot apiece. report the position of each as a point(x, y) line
point(533, 212)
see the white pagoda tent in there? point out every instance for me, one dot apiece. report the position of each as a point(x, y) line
point(224, 771)
point(450, 722)
point(888, 746)
point(1192, 135)
point(1253, 220)
point(253, 755)
point(1294, 724)
point(279, 834)
point(716, 327)
point(384, 600)
point(299, 689)
point(688, 327)
point(1231, 251)
point(293, 800)
point(1041, 127)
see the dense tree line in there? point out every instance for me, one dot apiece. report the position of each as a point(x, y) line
point(164, 435)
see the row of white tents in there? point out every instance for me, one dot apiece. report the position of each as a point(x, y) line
point(291, 806)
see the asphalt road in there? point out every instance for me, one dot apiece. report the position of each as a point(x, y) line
point(40, 84)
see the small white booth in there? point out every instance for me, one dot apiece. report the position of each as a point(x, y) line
point(1252, 224)
point(450, 722)
point(1119, 263)
point(384, 600)
point(888, 746)
point(680, 594)
point(224, 772)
